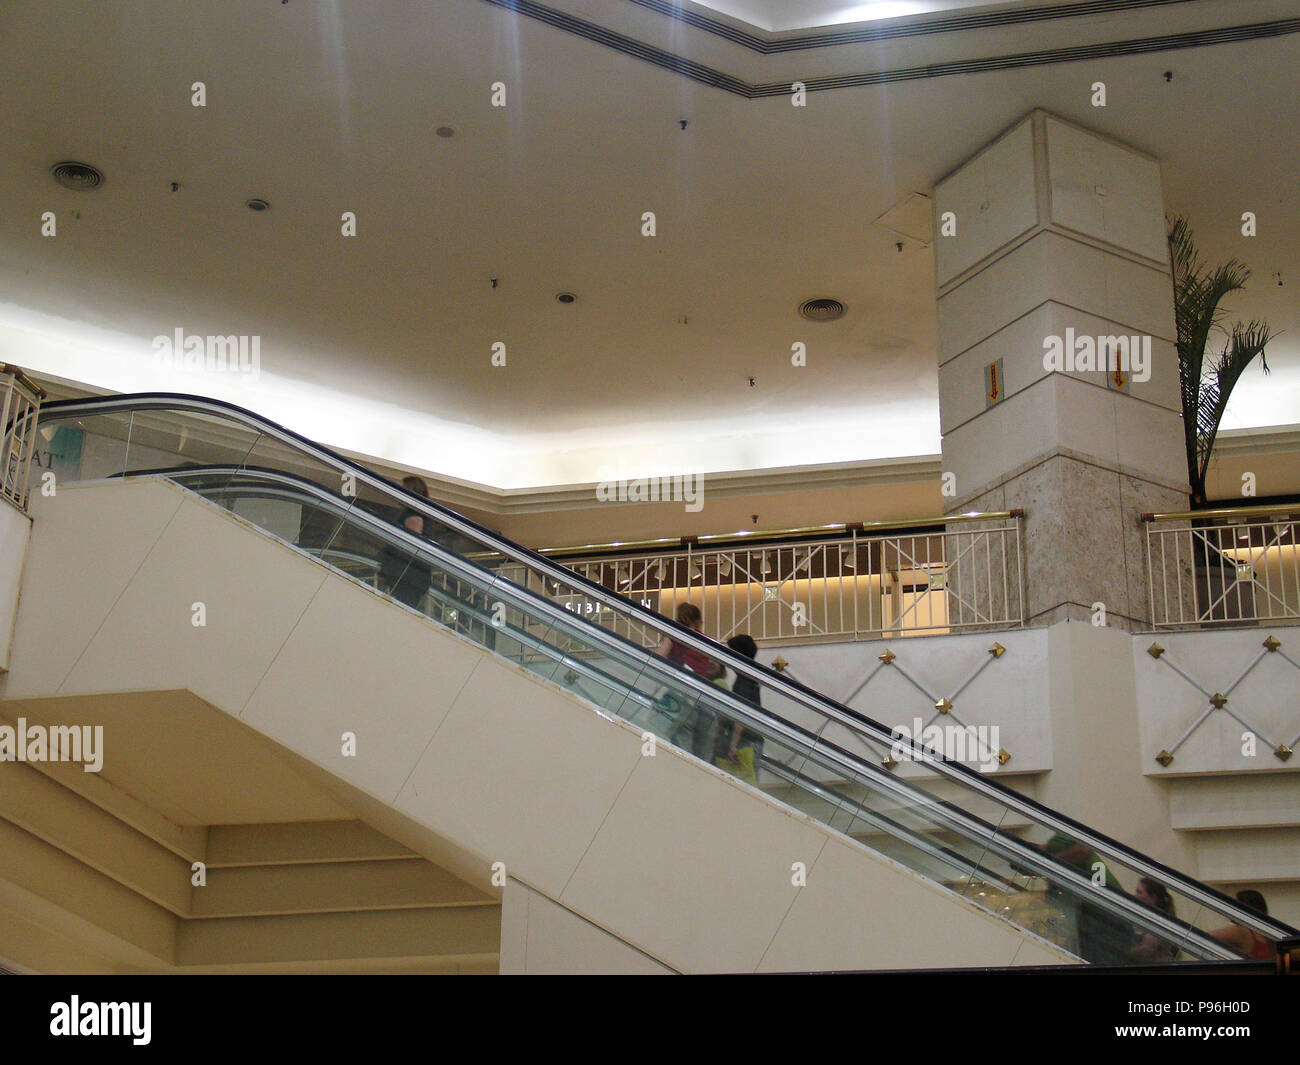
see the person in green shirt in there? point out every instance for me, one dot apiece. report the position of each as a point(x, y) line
point(1103, 937)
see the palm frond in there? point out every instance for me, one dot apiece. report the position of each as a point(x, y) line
point(1207, 386)
point(1246, 343)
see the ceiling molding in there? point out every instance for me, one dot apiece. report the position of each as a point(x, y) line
point(620, 42)
point(1046, 57)
point(737, 86)
point(502, 502)
point(767, 42)
point(498, 502)
point(1266, 441)
point(515, 501)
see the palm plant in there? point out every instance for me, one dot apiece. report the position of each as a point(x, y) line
point(1207, 380)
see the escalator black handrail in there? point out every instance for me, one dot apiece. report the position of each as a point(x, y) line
point(800, 693)
point(812, 745)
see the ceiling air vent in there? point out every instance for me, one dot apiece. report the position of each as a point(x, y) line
point(821, 310)
point(80, 177)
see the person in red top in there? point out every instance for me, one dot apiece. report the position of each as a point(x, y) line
point(694, 722)
point(1246, 940)
point(697, 662)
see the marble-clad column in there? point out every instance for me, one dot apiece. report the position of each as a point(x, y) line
point(1058, 376)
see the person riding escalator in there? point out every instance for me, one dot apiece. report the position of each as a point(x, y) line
point(402, 575)
point(409, 579)
point(1100, 936)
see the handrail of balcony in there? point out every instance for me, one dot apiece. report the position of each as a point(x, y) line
point(1264, 511)
point(741, 537)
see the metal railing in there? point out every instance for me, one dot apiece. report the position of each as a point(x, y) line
point(1224, 567)
point(950, 575)
point(20, 405)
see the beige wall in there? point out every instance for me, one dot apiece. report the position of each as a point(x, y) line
point(723, 512)
point(541, 937)
point(1097, 771)
point(867, 495)
point(1273, 456)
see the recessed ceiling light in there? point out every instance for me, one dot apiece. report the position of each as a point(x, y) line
point(821, 310)
point(256, 204)
point(80, 177)
point(445, 131)
point(565, 297)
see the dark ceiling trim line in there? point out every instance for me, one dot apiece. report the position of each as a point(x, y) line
point(562, 20)
point(1077, 53)
point(767, 44)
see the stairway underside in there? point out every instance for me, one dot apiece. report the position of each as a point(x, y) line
point(203, 847)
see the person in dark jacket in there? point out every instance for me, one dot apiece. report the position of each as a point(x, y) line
point(733, 738)
point(404, 576)
point(1148, 947)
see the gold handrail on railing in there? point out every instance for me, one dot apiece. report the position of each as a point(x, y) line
point(1262, 509)
point(17, 371)
point(669, 543)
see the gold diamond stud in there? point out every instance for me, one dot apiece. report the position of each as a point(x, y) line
point(997, 650)
point(887, 657)
point(1155, 650)
point(943, 706)
point(1164, 758)
point(1272, 643)
point(1004, 756)
point(889, 763)
point(779, 664)
point(1283, 751)
point(1217, 700)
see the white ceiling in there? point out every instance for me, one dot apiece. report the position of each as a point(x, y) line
point(381, 343)
point(779, 15)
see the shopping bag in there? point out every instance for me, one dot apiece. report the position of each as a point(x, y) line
point(742, 766)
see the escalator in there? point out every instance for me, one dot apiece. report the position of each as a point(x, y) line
point(1009, 855)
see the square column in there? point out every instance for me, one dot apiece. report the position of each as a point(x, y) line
point(1058, 376)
